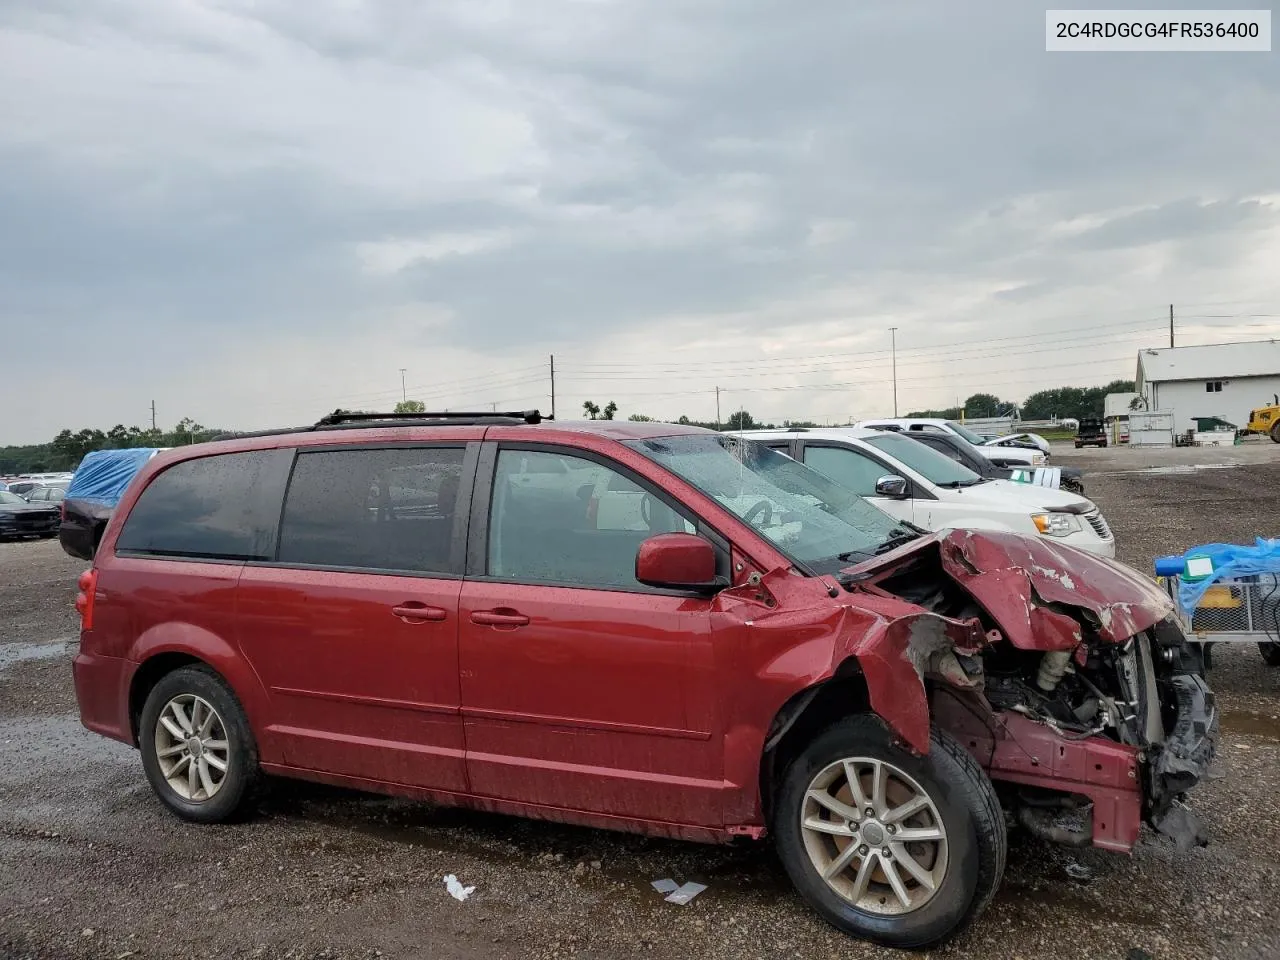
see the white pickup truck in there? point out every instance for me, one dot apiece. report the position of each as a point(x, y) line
point(1000, 455)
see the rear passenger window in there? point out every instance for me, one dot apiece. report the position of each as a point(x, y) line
point(851, 469)
point(566, 520)
point(389, 510)
point(223, 508)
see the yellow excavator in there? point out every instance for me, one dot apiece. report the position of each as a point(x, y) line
point(1266, 419)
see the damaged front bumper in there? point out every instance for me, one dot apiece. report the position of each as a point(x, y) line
point(1084, 696)
point(1122, 784)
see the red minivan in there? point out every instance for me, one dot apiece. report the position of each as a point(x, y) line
point(638, 626)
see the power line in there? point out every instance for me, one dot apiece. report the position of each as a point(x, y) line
point(929, 348)
point(977, 353)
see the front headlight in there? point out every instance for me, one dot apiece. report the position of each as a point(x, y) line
point(1056, 524)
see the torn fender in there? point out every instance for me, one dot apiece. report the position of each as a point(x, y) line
point(803, 636)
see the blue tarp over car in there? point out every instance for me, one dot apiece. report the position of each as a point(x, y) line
point(103, 475)
point(94, 491)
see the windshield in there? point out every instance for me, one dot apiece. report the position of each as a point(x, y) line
point(819, 525)
point(7, 497)
point(967, 434)
point(924, 460)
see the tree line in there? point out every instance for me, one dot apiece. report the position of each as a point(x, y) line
point(67, 449)
point(1059, 403)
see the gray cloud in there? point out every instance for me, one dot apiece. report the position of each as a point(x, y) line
point(228, 188)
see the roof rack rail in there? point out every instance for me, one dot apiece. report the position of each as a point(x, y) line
point(521, 416)
point(341, 420)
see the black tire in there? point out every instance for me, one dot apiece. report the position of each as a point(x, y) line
point(239, 783)
point(1270, 653)
point(1275, 432)
point(970, 812)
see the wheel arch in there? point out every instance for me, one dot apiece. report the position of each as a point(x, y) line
point(168, 647)
point(806, 713)
point(144, 679)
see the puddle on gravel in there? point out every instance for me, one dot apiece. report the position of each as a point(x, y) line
point(1176, 468)
point(11, 653)
point(1247, 723)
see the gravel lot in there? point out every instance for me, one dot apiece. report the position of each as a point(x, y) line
point(92, 866)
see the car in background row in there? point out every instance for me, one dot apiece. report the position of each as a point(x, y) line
point(1091, 433)
point(912, 482)
point(962, 451)
point(1025, 441)
point(18, 518)
point(738, 647)
point(52, 493)
point(1001, 456)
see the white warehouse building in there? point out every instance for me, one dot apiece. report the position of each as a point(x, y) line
point(1224, 380)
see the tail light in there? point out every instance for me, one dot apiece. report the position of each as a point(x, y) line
point(88, 584)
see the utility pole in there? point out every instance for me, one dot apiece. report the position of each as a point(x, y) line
point(553, 386)
point(153, 415)
point(893, 352)
point(1171, 325)
point(717, 408)
point(403, 395)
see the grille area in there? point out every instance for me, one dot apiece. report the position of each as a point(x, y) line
point(1099, 524)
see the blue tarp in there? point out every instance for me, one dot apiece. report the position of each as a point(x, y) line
point(1230, 561)
point(103, 475)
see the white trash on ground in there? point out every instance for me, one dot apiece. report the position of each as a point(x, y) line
point(457, 890)
point(677, 893)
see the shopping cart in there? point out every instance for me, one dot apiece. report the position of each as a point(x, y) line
point(1241, 610)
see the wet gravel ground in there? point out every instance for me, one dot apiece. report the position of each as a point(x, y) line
point(92, 866)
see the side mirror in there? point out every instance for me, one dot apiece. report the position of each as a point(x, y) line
point(892, 486)
point(677, 560)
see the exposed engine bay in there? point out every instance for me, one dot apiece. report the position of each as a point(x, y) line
point(1086, 704)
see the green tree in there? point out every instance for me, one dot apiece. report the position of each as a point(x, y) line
point(590, 409)
point(609, 410)
point(411, 406)
point(640, 418)
point(741, 420)
point(983, 405)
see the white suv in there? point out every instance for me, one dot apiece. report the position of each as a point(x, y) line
point(1002, 456)
point(911, 481)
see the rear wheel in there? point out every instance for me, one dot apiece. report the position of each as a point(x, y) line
point(885, 845)
point(197, 749)
point(1275, 432)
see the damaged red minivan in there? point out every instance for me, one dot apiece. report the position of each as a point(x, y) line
point(637, 626)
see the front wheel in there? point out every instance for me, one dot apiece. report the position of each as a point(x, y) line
point(1275, 432)
point(1270, 653)
point(902, 850)
point(197, 749)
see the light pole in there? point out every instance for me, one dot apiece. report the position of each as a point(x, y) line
point(403, 395)
point(893, 353)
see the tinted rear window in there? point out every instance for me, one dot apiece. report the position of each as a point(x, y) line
point(389, 509)
point(222, 507)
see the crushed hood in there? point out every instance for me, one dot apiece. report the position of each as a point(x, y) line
point(1030, 586)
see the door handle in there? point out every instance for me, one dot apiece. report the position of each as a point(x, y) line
point(415, 612)
point(502, 617)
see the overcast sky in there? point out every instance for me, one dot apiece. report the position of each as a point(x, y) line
point(254, 211)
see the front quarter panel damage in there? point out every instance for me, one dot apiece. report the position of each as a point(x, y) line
point(787, 634)
point(1028, 586)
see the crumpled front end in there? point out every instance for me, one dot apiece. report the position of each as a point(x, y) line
point(1085, 702)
